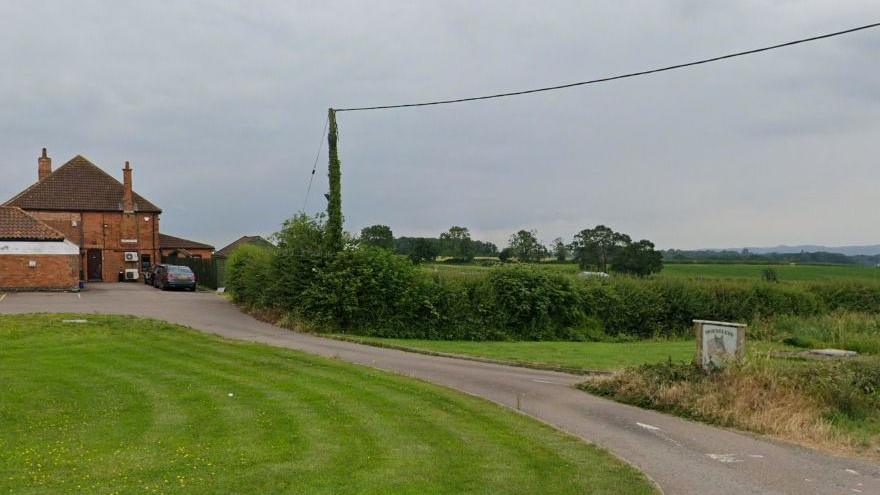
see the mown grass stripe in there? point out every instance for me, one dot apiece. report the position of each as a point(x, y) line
point(155, 395)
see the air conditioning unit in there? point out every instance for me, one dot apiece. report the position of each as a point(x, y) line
point(131, 256)
point(131, 274)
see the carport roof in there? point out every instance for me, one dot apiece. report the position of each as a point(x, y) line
point(18, 225)
point(171, 242)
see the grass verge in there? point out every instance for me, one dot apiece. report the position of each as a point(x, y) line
point(140, 406)
point(834, 405)
point(564, 356)
point(574, 357)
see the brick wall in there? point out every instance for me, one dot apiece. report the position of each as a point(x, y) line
point(52, 271)
point(68, 223)
point(106, 231)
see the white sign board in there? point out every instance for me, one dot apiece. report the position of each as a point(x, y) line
point(719, 343)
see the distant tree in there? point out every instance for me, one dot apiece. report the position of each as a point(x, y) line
point(423, 250)
point(457, 243)
point(484, 248)
point(598, 246)
point(770, 275)
point(378, 236)
point(525, 246)
point(638, 258)
point(505, 254)
point(560, 249)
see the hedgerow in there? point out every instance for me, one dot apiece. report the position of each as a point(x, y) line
point(370, 291)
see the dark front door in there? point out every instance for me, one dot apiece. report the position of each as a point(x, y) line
point(93, 264)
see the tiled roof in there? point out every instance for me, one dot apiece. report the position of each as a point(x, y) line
point(18, 225)
point(252, 239)
point(78, 185)
point(170, 242)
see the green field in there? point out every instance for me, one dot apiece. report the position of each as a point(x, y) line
point(125, 405)
point(475, 270)
point(786, 273)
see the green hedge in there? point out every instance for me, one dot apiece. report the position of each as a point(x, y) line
point(369, 291)
point(248, 274)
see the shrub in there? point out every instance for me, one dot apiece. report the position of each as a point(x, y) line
point(248, 272)
point(299, 257)
point(363, 289)
point(770, 275)
point(627, 306)
point(530, 304)
point(848, 296)
point(656, 307)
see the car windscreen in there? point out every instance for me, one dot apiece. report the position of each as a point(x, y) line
point(179, 269)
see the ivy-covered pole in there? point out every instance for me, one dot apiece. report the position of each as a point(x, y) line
point(334, 200)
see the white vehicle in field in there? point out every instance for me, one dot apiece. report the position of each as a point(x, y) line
point(593, 274)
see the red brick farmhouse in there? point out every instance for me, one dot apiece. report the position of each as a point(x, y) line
point(114, 229)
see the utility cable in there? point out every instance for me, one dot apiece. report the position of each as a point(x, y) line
point(621, 76)
point(315, 166)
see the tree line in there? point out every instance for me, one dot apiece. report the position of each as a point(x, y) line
point(599, 249)
point(745, 256)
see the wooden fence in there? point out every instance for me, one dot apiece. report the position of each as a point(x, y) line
point(210, 273)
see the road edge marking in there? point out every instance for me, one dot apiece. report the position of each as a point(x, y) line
point(2, 297)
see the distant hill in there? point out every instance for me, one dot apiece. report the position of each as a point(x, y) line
point(872, 250)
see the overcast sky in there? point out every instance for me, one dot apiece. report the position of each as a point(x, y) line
point(219, 106)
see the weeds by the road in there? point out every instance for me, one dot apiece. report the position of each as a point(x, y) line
point(828, 404)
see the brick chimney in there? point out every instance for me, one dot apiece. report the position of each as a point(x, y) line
point(127, 195)
point(44, 166)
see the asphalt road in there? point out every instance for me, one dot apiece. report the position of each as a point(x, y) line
point(682, 457)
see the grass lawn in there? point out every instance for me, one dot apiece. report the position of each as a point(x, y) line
point(125, 405)
point(604, 356)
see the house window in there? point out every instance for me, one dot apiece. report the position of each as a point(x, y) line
point(197, 256)
point(146, 262)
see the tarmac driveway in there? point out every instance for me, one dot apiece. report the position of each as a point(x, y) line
point(681, 456)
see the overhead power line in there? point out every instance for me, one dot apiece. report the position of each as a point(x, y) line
point(613, 78)
point(315, 166)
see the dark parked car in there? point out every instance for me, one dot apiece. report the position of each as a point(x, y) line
point(150, 274)
point(174, 277)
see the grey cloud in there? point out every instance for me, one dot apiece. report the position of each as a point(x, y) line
point(219, 106)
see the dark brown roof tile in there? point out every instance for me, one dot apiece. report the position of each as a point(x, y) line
point(78, 185)
point(18, 225)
